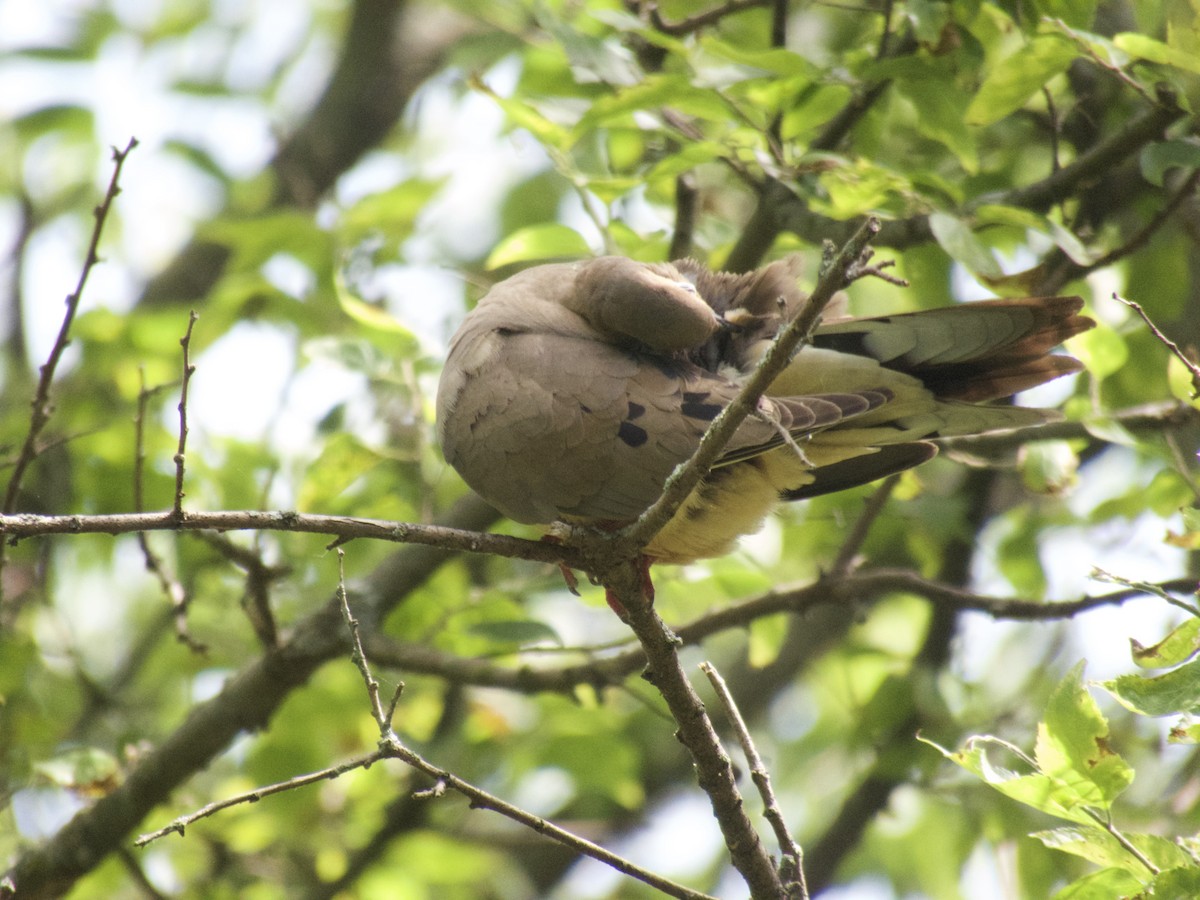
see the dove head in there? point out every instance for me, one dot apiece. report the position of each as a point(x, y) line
point(653, 305)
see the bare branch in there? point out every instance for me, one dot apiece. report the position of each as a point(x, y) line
point(344, 528)
point(179, 825)
point(170, 585)
point(843, 564)
point(860, 587)
point(714, 770)
point(792, 868)
point(245, 703)
point(700, 20)
point(41, 398)
point(390, 746)
point(481, 799)
point(359, 657)
point(188, 370)
point(686, 197)
point(1188, 364)
point(260, 575)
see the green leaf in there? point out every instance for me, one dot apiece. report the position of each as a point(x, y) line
point(538, 242)
point(776, 60)
point(1101, 349)
point(956, 238)
point(372, 316)
point(87, 770)
point(1177, 647)
point(1156, 159)
point(55, 117)
point(1180, 883)
point(516, 632)
point(1145, 47)
point(1183, 383)
point(766, 639)
point(1184, 734)
point(655, 92)
point(524, 115)
point(1103, 885)
point(1098, 846)
point(1049, 467)
point(1177, 691)
point(1072, 744)
point(1018, 77)
point(392, 212)
point(941, 114)
point(1035, 790)
point(1076, 13)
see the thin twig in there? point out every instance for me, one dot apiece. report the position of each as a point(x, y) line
point(843, 563)
point(1143, 587)
point(260, 575)
point(792, 868)
point(1189, 364)
point(180, 453)
point(481, 799)
point(359, 657)
point(171, 586)
point(611, 669)
point(700, 20)
point(390, 746)
point(1106, 823)
point(624, 580)
point(41, 398)
point(1085, 45)
point(179, 825)
point(1143, 235)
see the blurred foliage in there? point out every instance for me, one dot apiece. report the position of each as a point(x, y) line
point(553, 129)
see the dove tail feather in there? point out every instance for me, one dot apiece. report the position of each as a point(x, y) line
point(973, 352)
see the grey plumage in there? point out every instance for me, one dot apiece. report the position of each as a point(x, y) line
point(573, 390)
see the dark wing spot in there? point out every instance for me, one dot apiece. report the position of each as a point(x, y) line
point(694, 406)
point(632, 434)
point(585, 408)
point(635, 410)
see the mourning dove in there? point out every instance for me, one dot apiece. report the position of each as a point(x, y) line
point(573, 390)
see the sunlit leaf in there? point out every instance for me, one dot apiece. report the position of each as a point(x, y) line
point(1177, 691)
point(1018, 77)
point(956, 238)
point(1181, 644)
point(1146, 47)
point(1073, 744)
point(538, 242)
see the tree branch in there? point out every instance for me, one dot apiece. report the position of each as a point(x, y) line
point(344, 528)
point(858, 588)
point(246, 703)
point(714, 770)
point(41, 399)
point(793, 857)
